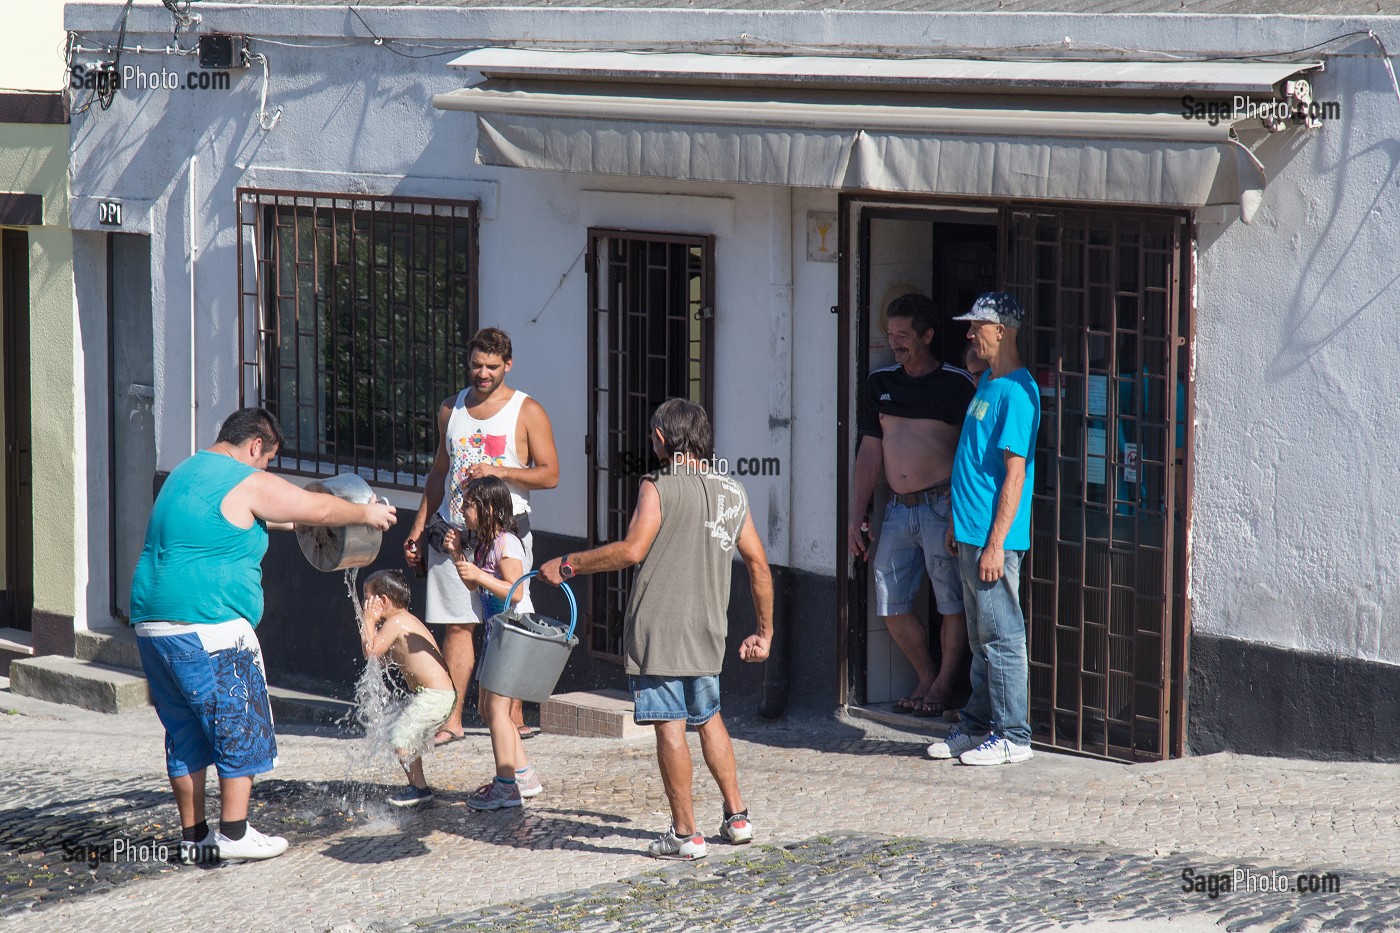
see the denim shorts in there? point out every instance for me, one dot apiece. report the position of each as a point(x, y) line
point(207, 685)
point(912, 542)
point(665, 699)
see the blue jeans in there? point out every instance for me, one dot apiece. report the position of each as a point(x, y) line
point(996, 633)
point(912, 540)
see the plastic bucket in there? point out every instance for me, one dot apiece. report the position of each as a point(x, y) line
point(526, 652)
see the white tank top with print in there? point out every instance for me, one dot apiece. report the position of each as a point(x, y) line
point(469, 441)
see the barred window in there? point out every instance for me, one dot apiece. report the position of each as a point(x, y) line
point(354, 319)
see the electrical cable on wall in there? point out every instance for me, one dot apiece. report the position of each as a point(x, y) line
point(559, 286)
point(107, 91)
point(264, 120)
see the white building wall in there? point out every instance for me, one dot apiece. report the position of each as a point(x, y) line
point(1296, 507)
point(1296, 499)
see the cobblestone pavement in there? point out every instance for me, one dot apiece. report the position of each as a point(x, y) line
point(857, 831)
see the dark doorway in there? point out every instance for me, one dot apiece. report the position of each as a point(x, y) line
point(950, 257)
point(16, 467)
point(132, 437)
point(1109, 324)
point(650, 329)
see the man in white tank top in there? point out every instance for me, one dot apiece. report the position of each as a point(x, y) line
point(487, 429)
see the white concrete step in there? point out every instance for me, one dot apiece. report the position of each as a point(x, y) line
point(114, 647)
point(107, 688)
point(14, 644)
point(79, 683)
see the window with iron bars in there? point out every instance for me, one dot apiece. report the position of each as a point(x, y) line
point(354, 319)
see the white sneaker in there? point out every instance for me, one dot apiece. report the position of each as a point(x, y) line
point(955, 744)
point(672, 846)
point(253, 846)
point(996, 751)
point(201, 851)
point(737, 828)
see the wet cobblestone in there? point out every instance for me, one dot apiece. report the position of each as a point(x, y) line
point(109, 833)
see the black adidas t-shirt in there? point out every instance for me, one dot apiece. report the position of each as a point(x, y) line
point(942, 395)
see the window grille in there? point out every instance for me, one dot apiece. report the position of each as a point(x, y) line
point(354, 316)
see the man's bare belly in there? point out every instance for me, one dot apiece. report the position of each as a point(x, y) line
point(918, 453)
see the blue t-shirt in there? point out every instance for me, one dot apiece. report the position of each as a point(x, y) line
point(196, 565)
point(1004, 415)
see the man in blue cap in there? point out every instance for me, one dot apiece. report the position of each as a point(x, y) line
point(993, 475)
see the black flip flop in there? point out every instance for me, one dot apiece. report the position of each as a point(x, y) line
point(927, 710)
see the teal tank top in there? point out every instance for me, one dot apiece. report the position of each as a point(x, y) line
point(196, 566)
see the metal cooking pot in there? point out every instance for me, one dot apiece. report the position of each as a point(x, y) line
point(340, 548)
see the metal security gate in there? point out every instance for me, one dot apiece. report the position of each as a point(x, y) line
point(1105, 592)
point(650, 329)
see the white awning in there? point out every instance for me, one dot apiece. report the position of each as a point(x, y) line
point(1119, 133)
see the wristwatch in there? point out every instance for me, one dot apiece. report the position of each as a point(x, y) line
point(566, 569)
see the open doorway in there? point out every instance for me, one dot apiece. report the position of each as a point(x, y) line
point(950, 257)
point(16, 468)
point(1108, 336)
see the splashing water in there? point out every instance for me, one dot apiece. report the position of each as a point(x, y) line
point(376, 708)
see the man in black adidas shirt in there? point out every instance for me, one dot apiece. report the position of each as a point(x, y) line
point(910, 418)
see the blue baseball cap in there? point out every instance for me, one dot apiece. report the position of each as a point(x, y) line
point(997, 307)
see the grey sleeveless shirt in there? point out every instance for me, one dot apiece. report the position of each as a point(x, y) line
point(677, 618)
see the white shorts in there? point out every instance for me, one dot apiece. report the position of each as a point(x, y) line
point(449, 600)
point(421, 717)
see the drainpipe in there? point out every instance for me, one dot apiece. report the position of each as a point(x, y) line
point(193, 207)
point(780, 411)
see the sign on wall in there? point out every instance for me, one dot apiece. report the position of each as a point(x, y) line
point(821, 236)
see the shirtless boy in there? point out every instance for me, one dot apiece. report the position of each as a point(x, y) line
point(389, 628)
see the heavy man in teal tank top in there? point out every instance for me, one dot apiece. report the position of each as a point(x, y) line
point(195, 598)
point(688, 523)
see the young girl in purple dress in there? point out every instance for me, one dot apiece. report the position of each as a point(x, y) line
point(490, 568)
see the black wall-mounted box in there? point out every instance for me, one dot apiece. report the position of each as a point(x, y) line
point(222, 51)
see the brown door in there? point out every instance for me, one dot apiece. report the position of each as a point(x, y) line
point(1105, 591)
point(650, 328)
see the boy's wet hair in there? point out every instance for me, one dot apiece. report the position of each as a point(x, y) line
point(390, 584)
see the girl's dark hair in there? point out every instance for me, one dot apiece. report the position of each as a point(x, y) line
point(494, 512)
point(392, 585)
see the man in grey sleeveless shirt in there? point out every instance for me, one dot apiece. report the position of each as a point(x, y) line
point(688, 521)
